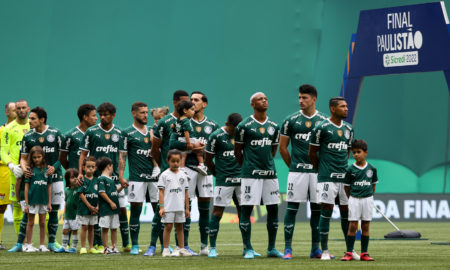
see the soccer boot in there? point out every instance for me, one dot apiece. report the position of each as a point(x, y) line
point(256, 254)
point(287, 254)
point(204, 251)
point(29, 248)
point(325, 255)
point(52, 247)
point(347, 257)
point(94, 251)
point(127, 248)
point(365, 257)
point(57, 245)
point(108, 251)
point(355, 255)
point(83, 250)
point(189, 250)
point(212, 253)
point(100, 248)
point(42, 248)
point(184, 253)
point(60, 250)
point(115, 251)
point(273, 253)
point(249, 254)
point(71, 250)
point(16, 248)
point(150, 251)
point(166, 252)
point(134, 250)
point(2, 247)
point(316, 253)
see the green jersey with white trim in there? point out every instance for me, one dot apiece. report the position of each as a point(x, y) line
point(221, 145)
point(72, 201)
point(90, 191)
point(107, 185)
point(361, 180)
point(258, 139)
point(51, 141)
point(138, 145)
point(177, 138)
point(201, 131)
point(298, 127)
point(73, 139)
point(334, 142)
point(162, 131)
point(38, 190)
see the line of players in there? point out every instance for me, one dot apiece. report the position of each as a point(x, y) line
point(239, 154)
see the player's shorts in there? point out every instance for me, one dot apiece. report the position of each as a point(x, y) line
point(72, 224)
point(224, 195)
point(87, 219)
point(199, 185)
point(257, 191)
point(174, 217)
point(327, 192)
point(110, 222)
point(38, 209)
point(4, 185)
point(58, 193)
point(137, 191)
point(302, 187)
point(360, 208)
point(122, 200)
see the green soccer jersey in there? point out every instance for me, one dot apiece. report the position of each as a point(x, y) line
point(258, 139)
point(201, 131)
point(361, 180)
point(51, 141)
point(162, 131)
point(73, 140)
point(177, 138)
point(221, 145)
point(108, 186)
point(38, 190)
point(90, 190)
point(298, 127)
point(104, 143)
point(334, 142)
point(72, 201)
point(138, 147)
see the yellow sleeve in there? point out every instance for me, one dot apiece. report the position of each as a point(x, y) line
point(4, 147)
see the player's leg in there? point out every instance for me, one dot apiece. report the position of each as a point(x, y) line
point(343, 208)
point(205, 193)
point(4, 198)
point(98, 243)
point(22, 228)
point(271, 199)
point(136, 196)
point(366, 217)
point(193, 175)
point(105, 238)
point(314, 205)
point(114, 240)
point(251, 192)
point(2, 221)
point(157, 226)
point(84, 229)
point(123, 219)
point(168, 220)
point(52, 226)
point(74, 228)
point(30, 226)
point(327, 193)
point(17, 216)
point(42, 232)
point(214, 224)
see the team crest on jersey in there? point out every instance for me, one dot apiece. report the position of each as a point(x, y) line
point(146, 140)
point(317, 123)
point(369, 173)
point(95, 187)
point(50, 138)
point(347, 134)
point(339, 132)
point(41, 139)
point(208, 129)
point(198, 128)
point(115, 138)
point(270, 130)
point(262, 130)
point(107, 136)
point(181, 181)
point(308, 124)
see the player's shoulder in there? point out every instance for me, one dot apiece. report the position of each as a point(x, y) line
point(324, 123)
point(211, 122)
point(166, 119)
point(270, 122)
point(129, 130)
point(29, 133)
point(117, 129)
point(10, 125)
point(217, 133)
point(94, 128)
point(246, 122)
point(292, 117)
point(347, 125)
point(322, 115)
point(371, 166)
point(53, 129)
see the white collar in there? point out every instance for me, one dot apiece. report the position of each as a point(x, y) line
point(267, 118)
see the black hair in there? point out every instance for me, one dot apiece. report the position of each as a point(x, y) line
point(89, 158)
point(234, 119)
point(106, 107)
point(204, 98)
point(179, 93)
point(335, 101)
point(173, 152)
point(40, 112)
point(135, 107)
point(184, 105)
point(102, 163)
point(360, 144)
point(85, 109)
point(308, 89)
point(70, 173)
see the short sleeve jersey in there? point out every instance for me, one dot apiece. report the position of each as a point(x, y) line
point(90, 190)
point(138, 147)
point(162, 131)
point(361, 180)
point(107, 185)
point(334, 142)
point(257, 139)
point(298, 127)
point(11, 141)
point(221, 145)
point(73, 140)
point(175, 186)
point(72, 201)
point(181, 126)
point(201, 131)
point(51, 141)
point(104, 143)
point(38, 190)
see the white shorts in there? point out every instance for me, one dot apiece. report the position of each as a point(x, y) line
point(199, 184)
point(58, 193)
point(224, 195)
point(87, 219)
point(71, 225)
point(38, 209)
point(302, 187)
point(22, 205)
point(137, 191)
point(174, 217)
point(110, 222)
point(360, 208)
point(122, 200)
point(253, 190)
point(327, 192)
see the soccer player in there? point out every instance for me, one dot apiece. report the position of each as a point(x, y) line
point(361, 179)
point(11, 141)
point(142, 174)
point(105, 140)
point(302, 179)
point(10, 112)
point(332, 140)
point(227, 171)
point(199, 184)
point(160, 147)
point(256, 144)
point(50, 139)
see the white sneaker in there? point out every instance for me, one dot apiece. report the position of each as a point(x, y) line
point(204, 251)
point(355, 256)
point(43, 248)
point(325, 255)
point(115, 250)
point(201, 169)
point(176, 252)
point(166, 252)
point(29, 248)
point(183, 252)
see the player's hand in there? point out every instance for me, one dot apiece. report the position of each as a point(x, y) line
point(80, 180)
point(93, 210)
point(113, 206)
point(50, 170)
point(27, 209)
point(27, 172)
point(16, 170)
point(198, 149)
point(162, 211)
point(156, 171)
point(49, 207)
point(123, 182)
point(187, 213)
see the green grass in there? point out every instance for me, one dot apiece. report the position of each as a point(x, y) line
point(388, 254)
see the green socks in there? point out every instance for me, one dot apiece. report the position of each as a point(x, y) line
point(350, 243)
point(135, 224)
point(23, 229)
point(324, 227)
point(245, 226)
point(289, 223)
point(214, 224)
point(97, 235)
point(123, 219)
point(364, 243)
point(314, 224)
point(203, 222)
point(344, 223)
point(272, 224)
point(52, 225)
point(156, 227)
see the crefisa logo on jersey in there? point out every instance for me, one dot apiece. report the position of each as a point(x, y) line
point(271, 130)
point(115, 138)
point(50, 138)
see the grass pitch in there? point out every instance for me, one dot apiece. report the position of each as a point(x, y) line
point(393, 254)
